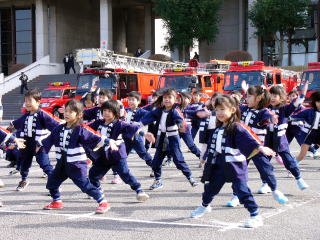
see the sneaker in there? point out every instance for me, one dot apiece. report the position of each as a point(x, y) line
point(278, 158)
point(200, 211)
point(316, 155)
point(11, 165)
point(264, 189)
point(22, 185)
point(54, 205)
point(279, 196)
point(310, 154)
point(1, 184)
point(44, 175)
point(193, 182)
point(233, 202)
point(302, 184)
point(254, 222)
point(102, 208)
point(13, 172)
point(156, 184)
point(142, 196)
point(151, 174)
point(116, 179)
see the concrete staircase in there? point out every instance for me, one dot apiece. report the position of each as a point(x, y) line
point(13, 100)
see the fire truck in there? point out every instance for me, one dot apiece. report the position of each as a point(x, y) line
point(256, 73)
point(208, 77)
point(122, 74)
point(312, 74)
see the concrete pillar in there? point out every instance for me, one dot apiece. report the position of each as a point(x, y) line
point(53, 35)
point(120, 32)
point(241, 25)
point(253, 41)
point(106, 23)
point(41, 29)
point(148, 28)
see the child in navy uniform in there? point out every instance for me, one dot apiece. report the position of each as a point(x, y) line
point(196, 105)
point(231, 144)
point(112, 127)
point(70, 141)
point(134, 115)
point(169, 121)
point(33, 126)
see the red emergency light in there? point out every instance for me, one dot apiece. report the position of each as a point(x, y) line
point(247, 63)
point(193, 63)
point(167, 70)
point(59, 84)
point(119, 70)
point(314, 64)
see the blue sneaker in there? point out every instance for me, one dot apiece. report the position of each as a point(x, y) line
point(302, 184)
point(233, 202)
point(193, 182)
point(200, 211)
point(279, 196)
point(156, 184)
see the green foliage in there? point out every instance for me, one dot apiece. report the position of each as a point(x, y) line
point(188, 20)
point(283, 16)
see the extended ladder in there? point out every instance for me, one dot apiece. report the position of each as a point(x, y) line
point(106, 59)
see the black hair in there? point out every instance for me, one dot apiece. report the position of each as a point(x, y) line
point(166, 91)
point(197, 92)
point(315, 97)
point(279, 90)
point(75, 106)
point(260, 91)
point(135, 94)
point(210, 106)
point(155, 94)
point(34, 93)
point(106, 92)
point(90, 96)
point(236, 92)
point(229, 102)
point(184, 96)
point(112, 105)
point(294, 91)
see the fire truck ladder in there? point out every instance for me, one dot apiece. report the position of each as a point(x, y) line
point(106, 59)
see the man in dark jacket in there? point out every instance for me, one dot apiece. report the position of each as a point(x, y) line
point(71, 63)
point(24, 80)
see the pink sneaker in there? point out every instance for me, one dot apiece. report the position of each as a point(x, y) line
point(54, 205)
point(116, 179)
point(279, 159)
point(102, 208)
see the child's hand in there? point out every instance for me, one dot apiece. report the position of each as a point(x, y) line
point(203, 114)
point(244, 86)
point(267, 151)
point(20, 143)
point(275, 119)
point(149, 136)
point(38, 148)
point(305, 88)
point(113, 145)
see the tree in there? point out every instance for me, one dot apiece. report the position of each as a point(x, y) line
point(188, 20)
point(279, 19)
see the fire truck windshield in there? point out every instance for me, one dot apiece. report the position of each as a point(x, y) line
point(233, 80)
point(180, 82)
point(91, 82)
point(314, 79)
point(53, 93)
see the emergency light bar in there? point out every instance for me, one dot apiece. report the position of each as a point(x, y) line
point(247, 63)
point(314, 64)
point(167, 70)
point(59, 84)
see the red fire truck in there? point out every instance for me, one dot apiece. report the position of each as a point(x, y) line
point(312, 74)
point(256, 73)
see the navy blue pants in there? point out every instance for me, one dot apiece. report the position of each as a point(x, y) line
point(174, 150)
point(77, 174)
point(138, 145)
point(240, 188)
point(290, 163)
point(102, 166)
point(187, 138)
point(194, 130)
point(27, 154)
point(300, 136)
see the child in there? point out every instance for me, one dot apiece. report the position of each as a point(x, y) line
point(134, 115)
point(70, 141)
point(33, 126)
point(89, 101)
point(276, 135)
point(196, 105)
point(169, 122)
point(258, 117)
point(230, 146)
point(112, 127)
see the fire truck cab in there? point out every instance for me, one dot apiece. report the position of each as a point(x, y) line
point(312, 74)
point(256, 73)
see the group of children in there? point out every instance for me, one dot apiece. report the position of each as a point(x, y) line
point(230, 134)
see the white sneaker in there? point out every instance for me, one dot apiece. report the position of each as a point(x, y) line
point(142, 196)
point(233, 202)
point(279, 196)
point(1, 184)
point(264, 189)
point(302, 184)
point(254, 222)
point(310, 154)
point(316, 155)
point(200, 211)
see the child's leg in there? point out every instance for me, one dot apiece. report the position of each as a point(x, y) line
point(212, 188)
point(86, 187)
point(140, 149)
point(42, 159)
point(157, 163)
point(55, 179)
point(26, 157)
point(187, 138)
point(97, 171)
point(290, 163)
point(194, 130)
point(244, 194)
point(123, 170)
point(303, 152)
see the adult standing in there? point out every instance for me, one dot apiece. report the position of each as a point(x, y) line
point(24, 81)
point(66, 64)
point(138, 52)
point(71, 63)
